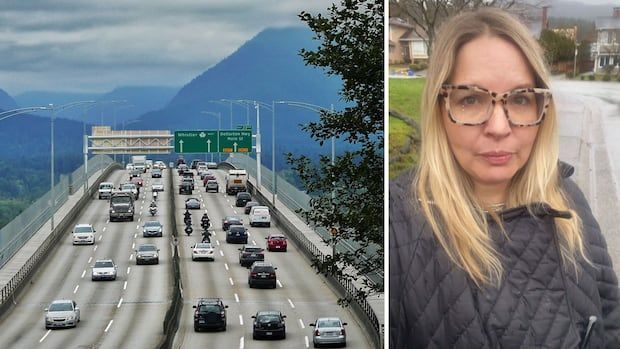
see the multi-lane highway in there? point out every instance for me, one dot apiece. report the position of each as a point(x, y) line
point(129, 312)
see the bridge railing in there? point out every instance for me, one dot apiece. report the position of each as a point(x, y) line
point(18, 231)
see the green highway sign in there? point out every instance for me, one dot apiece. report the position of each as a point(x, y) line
point(235, 141)
point(213, 141)
point(195, 141)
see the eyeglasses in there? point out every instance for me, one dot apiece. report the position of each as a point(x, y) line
point(472, 105)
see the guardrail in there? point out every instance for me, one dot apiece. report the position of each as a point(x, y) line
point(173, 314)
point(14, 285)
point(344, 286)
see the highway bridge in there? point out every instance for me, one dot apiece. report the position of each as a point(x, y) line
point(130, 311)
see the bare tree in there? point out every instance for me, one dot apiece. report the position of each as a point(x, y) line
point(427, 15)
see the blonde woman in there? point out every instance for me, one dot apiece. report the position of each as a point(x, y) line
point(491, 243)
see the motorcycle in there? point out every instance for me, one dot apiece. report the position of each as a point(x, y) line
point(187, 220)
point(206, 236)
point(189, 230)
point(205, 224)
point(153, 210)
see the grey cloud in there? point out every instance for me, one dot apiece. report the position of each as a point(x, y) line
point(131, 42)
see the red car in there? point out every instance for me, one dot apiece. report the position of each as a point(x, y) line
point(137, 181)
point(276, 242)
point(207, 177)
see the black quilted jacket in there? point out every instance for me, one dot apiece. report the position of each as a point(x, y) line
point(540, 304)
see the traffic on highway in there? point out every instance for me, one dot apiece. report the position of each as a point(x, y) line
point(109, 281)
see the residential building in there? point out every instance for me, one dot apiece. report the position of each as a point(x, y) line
point(405, 45)
point(608, 41)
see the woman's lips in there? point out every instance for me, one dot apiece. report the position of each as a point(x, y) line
point(497, 158)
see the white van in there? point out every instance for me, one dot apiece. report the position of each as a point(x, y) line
point(259, 215)
point(105, 190)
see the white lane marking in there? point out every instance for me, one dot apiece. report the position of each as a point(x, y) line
point(135, 235)
point(241, 320)
point(249, 234)
point(128, 270)
point(90, 260)
point(139, 219)
point(119, 303)
point(100, 237)
point(253, 242)
point(307, 342)
point(104, 228)
point(231, 282)
point(291, 303)
point(226, 266)
point(235, 211)
point(125, 285)
point(108, 327)
point(130, 256)
point(221, 253)
point(133, 245)
point(206, 211)
point(76, 288)
point(241, 345)
point(279, 283)
point(94, 249)
point(231, 206)
point(45, 336)
point(138, 226)
point(237, 298)
point(301, 323)
point(107, 221)
point(83, 273)
point(217, 242)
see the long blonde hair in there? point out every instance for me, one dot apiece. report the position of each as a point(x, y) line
point(445, 191)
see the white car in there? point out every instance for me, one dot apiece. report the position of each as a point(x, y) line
point(83, 234)
point(157, 186)
point(203, 250)
point(211, 165)
point(62, 313)
point(160, 165)
point(105, 190)
point(259, 215)
point(104, 269)
point(129, 166)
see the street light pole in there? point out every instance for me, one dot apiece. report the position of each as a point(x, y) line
point(52, 196)
point(219, 128)
point(258, 146)
point(273, 153)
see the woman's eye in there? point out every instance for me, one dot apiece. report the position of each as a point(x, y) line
point(520, 100)
point(469, 100)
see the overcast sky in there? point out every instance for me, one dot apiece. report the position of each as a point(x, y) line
point(94, 46)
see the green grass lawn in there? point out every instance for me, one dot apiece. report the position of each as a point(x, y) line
point(404, 97)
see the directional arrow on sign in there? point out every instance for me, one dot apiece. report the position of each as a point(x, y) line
point(181, 145)
point(235, 147)
point(208, 145)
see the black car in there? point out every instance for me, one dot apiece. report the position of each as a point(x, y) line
point(194, 164)
point(249, 254)
point(248, 206)
point(210, 313)
point(243, 198)
point(185, 188)
point(231, 220)
point(237, 234)
point(269, 324)
point(262, 274)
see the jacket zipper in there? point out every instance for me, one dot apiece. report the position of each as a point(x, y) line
point(586, 338)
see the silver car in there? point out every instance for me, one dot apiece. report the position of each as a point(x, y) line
point(329, 330)
point(62, 313)
point(104, 269)
point(152, 228)
point(147, 254)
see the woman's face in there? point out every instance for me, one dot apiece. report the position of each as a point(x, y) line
point(493, 152)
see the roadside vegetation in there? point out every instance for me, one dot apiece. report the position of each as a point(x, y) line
point(404, 107)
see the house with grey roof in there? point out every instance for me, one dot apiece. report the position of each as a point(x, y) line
point(405, 45)
point(608, 41)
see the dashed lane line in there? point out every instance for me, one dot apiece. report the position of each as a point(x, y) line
point(90, 259)
point(45, 336)
point(226, 266)
point(128, 270)
point(108, 327)
point(237, 298)
point(291, 303)
point(241, 320)
point(221, 253)
point(125, 285)
point(119, 303)
point(279, 283)
point(76, 288)
point(231, 282)
point(83, 273)
point(307, 341)
point(301, 324)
